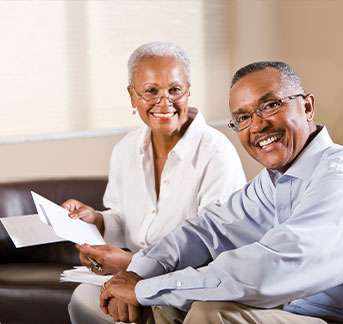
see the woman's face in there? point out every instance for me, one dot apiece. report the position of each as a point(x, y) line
point(160, 76)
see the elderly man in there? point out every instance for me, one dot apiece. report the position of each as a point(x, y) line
point(278, 241)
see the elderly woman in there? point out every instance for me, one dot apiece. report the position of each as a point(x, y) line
point(160, 173)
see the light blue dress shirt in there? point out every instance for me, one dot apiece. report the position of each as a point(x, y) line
point(278, 239)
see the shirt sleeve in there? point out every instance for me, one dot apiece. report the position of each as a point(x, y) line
point(223, 174)
point(226, 254)
point(113, 223)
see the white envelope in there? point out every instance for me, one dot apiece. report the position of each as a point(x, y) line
point(74, 230)
point(29, 230)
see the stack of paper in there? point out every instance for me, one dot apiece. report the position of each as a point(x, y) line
point(83, 275)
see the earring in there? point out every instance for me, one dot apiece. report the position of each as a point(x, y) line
point(134, 110)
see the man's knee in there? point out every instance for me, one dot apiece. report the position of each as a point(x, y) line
point(207, 312)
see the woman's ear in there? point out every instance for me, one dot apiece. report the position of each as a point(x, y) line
point(309, 107)
point(133, 97)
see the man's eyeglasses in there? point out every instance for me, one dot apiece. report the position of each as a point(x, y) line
point(175, 95)
point(264, 110)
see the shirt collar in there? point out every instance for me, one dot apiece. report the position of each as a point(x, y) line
point(308, 159)
point(189, 141)
point(144, 139)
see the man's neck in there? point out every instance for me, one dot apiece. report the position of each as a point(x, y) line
point(317, 129)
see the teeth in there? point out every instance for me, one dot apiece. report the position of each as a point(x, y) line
point(269, 140)
point(163, 115)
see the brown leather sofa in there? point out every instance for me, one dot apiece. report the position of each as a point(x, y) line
point(30, 291)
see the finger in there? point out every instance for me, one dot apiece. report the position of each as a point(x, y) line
point(113, 310)
point(84, 261)
point(104, 297)
point(75, 214)
point(83, 248)
point(104, 305)
point(78, 211)
point(92, 252)
point(123, 312)
point(70, 204)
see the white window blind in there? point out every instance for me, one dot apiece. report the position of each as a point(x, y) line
point(63, 62)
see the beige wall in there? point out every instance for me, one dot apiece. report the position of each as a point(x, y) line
point(304, 33)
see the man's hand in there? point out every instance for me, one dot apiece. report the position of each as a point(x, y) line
point(121, 286)
point(122, 312)
point(111, 258)
point(118, 299)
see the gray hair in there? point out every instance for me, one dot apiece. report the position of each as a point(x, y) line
point(157, 48)
point(287, 73)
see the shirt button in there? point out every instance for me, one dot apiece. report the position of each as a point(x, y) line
point(154, 211)
point(142, 244)
point(179, 284)
point(166, 182)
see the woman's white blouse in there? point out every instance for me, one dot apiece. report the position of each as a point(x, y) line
point(203, 167)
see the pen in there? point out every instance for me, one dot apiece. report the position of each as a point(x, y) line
point(95, 265)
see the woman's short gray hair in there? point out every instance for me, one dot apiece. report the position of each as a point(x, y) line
point(157, 48)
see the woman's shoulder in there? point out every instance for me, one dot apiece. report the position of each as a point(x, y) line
point(216, 139)
point(132, 140)
point(208, 132)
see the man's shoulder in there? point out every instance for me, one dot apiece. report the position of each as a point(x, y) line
point(332, 159)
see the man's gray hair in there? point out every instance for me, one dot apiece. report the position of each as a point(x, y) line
point(288, 75)
point(158, 48)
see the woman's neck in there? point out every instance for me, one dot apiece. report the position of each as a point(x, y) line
point(164, 143)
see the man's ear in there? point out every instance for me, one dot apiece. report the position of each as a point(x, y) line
point(309, 106)
point(133, 97)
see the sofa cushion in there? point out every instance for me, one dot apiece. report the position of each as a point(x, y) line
point(34, 289)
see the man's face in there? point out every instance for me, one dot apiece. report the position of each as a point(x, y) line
point(278, 139)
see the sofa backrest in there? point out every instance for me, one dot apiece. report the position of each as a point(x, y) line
point(16, 200)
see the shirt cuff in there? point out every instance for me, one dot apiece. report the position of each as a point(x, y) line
point(145, 288)
point(155, 291)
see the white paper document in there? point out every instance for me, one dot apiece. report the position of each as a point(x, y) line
point(83, 275)
point(74, 230)
point(29, 230)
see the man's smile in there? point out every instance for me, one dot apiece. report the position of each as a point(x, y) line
point(268, 141)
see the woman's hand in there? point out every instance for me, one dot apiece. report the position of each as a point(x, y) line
point(79, 210)
point(111, 258)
